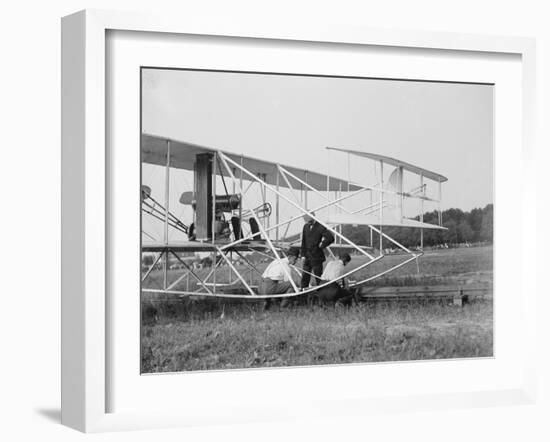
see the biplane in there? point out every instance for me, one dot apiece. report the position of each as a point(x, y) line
point(243, 212)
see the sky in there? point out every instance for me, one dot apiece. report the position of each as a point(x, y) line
point(443, 127)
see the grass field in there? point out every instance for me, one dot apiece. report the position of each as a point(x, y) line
point(449, 266)
point(212, 334)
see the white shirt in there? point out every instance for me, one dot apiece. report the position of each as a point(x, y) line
point(276, 270)
point(333, 270)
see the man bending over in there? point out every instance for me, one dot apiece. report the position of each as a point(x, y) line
point(276, 277)
point(337, 291)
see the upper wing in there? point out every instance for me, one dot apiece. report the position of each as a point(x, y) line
point(182, 156)
point(397, 163)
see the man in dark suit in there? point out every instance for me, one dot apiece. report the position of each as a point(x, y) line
point(315, 238)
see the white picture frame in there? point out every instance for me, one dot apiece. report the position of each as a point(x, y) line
point(85, 310)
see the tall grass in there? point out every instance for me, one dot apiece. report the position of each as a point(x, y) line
point(304, 336)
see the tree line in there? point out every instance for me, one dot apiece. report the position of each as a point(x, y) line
point(462, 227)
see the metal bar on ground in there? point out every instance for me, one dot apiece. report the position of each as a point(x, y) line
point(484, 292)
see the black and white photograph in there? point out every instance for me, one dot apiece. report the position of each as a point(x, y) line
point(291, 220)
point(302, 220)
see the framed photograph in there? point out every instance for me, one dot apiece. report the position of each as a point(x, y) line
point(251, 212)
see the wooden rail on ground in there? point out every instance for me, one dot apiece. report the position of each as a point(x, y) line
point(458, 295)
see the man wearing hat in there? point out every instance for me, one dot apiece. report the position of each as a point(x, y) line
point(315, 238)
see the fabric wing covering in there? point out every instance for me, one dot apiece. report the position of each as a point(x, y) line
point(182, 156)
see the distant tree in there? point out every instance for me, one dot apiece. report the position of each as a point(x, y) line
point(476, 225)
point(451, 234)
point(486, 232)
point(465, 232)
point(456, 215)
point(474, 219)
